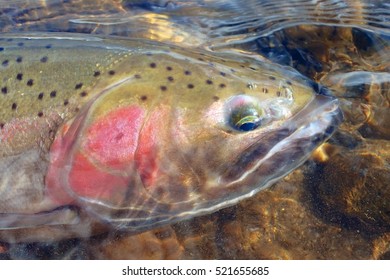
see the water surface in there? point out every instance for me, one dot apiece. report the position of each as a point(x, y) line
point(336, 206)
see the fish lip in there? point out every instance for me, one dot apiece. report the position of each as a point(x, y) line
point(319, 89)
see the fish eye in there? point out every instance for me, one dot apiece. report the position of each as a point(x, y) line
point(243, 113)
point(245, 118)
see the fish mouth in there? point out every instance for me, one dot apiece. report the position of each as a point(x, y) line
point(278, 152)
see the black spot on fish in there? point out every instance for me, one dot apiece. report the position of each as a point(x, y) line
point(1, 49)
point(222, 74)
point(78, 86)
point(19, 76)
point(48, 46)
point(170, 79)
point(5, 62)
point(272, 78)
point(137, 76)
point(40, 96)
point(190, 86)
point(21, 44)
point(66, 102)
point(14, 106)
point(83, 94)
point(265, 90)
point(44, 59)
point(4, 90)
point(209, 82)
point(40, 114)
point(253, 68)
point(163, 88)
point(187, 72)
point(53, 94)
point(289, 83)
point(1, 125)
point(19, 59)
point(144, 97)
point(30, 82)
point(153, 65)
point(222, 85)
point(96, 73)
point(169, 68)
point(201, 59)
point(215, 98)
point(111, 72)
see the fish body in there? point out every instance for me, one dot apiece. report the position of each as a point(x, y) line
point(132, 134)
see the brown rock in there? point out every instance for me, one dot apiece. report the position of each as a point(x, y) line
point(354, 187)
point(154, 244)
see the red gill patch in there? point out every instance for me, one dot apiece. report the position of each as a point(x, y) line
point(100, 164)
point(112, 140)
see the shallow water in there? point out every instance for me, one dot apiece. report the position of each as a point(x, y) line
point(336, 206)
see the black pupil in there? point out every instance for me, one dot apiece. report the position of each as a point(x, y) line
point(248, 126)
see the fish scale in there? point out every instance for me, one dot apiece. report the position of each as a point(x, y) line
point(44, 83)
point(50, 67)
point(137, 134)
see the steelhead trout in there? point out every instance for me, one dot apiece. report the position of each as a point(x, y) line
point(132, 135)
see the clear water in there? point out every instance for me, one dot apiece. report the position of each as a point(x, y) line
point(334, 207)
